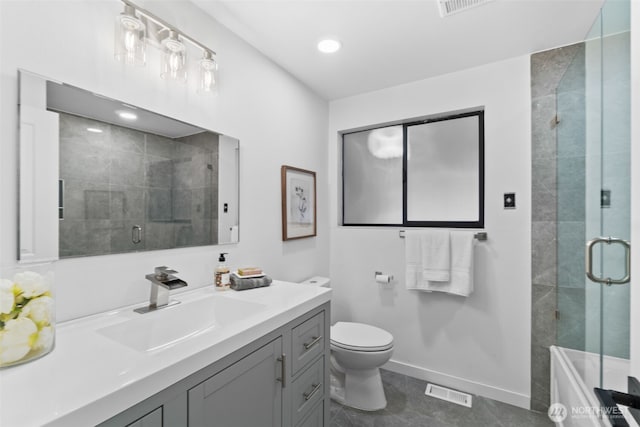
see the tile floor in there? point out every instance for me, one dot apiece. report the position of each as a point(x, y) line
point(407, 406)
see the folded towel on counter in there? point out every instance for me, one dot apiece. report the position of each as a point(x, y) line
point(241, 284)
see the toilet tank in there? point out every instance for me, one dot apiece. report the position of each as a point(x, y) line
point(323, 282)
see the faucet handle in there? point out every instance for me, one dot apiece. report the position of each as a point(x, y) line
point(164, 270)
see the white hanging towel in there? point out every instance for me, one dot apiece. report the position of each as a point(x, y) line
point(461, 276)
point(413, 259)
point(427, 257)
point(461, 283)
point(436, 255)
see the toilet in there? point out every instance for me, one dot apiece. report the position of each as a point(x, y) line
point(358, 351)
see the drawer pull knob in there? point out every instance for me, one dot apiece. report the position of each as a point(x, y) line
point(309, 395)
point(315, 340)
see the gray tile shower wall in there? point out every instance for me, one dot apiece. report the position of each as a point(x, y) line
point(557, 73)
point(121, 177)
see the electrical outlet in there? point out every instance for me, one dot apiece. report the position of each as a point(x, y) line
point(509, 200)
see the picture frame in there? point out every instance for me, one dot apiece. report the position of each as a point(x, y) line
point(298, 203)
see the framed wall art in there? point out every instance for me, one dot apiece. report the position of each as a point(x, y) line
point(298, 203)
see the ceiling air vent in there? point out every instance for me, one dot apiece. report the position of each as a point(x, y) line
point(449, 7)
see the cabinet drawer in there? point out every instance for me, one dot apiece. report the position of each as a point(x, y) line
point(315, 418)
point(307, 390)
point(152, 419)
point(308, 340)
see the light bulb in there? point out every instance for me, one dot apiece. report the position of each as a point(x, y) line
point(208, 80)
point(173, 59)
point(129, 38)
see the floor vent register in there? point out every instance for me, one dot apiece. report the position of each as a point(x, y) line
point(449, 395)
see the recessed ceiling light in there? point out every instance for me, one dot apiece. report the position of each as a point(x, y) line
point(94, 130)
point(126, 115)
point(329, 45)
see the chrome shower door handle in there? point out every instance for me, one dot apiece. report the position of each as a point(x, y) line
point(589, 260)
point(136, 234)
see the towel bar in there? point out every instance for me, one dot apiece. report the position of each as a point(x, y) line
point(480, 235)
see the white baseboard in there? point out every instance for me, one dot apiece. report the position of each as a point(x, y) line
point(457, 383)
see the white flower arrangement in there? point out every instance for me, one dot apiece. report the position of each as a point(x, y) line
point(26, 317)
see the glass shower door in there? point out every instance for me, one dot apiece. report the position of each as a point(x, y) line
point(593, 175)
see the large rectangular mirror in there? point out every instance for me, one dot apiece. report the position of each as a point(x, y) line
point(98, 176)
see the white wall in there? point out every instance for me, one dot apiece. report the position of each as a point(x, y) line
point(277, 120)
point(479, 344)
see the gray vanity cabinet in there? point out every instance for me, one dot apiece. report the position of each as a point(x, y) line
point(153, 419)
point(247, 393)
point(279, 380)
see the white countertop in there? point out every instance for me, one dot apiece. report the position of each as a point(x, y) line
point(89, 378)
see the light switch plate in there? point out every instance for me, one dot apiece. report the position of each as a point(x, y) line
point(509, 200)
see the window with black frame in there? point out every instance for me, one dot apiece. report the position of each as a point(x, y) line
point(426, 173)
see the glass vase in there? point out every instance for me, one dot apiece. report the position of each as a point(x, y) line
point(27, 316)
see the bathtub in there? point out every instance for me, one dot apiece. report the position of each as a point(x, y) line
point(574, 374)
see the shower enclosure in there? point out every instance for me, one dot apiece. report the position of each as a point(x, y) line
point(592, 127)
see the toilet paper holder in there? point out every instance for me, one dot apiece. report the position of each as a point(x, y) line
point(383, 278)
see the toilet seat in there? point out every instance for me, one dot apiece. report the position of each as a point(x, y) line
point(360, 337)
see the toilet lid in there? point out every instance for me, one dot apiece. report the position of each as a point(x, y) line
point(360, 337)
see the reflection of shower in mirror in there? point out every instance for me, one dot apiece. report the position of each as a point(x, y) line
point(168, 177)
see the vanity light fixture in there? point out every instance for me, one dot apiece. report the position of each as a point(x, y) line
point(137, 28)
point(329, 46)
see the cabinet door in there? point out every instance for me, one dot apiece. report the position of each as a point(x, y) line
point(153, 419)
point(247, 393)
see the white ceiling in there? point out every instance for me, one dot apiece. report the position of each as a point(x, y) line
point(390, 42)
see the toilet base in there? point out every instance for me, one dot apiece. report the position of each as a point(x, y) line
point(359, 389)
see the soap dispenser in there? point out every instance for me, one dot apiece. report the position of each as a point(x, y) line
point(222, 273)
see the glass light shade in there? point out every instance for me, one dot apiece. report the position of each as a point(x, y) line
point(27, 317)
point(174, 59)
point(208, 78)
point(130, 46)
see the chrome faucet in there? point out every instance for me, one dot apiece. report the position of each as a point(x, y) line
point(162, 282)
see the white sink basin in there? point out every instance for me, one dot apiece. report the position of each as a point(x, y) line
point(170, 325)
